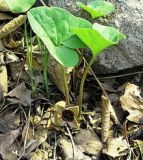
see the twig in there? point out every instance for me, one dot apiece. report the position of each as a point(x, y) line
point(73, 144)
point(55, 146)
point(121, 75)
point(43, 3)
point(26, 134)
point(99, 83)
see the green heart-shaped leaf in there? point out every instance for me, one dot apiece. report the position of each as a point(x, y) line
point(52, 25)
point(97, 8)
point(56, 22)
point(18, 6)
point(98, 38)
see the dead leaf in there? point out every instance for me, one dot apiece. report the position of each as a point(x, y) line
point(40, 154)
point(13, 40)
point(12, 25)
point(116, 147)
point(9, 121)
point(1, 46)
point(6, 142)
point(67, 148)
point(20, 94)
point(55, 73)
point(3, 6)
point(132, 102)
point(33, 138)
point(105, 118)
point(18, 72)
point(4, 16)
point(88, 142)
point(3, 82)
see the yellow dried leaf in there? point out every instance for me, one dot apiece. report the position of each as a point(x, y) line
point(88, 142)
point(3, 81)
point(3, 6)
point(40, 154)
point(12, 25)
point(132, 102)
point(56, 75)
point(13, 40)
point(116, 147)
point(105, 118)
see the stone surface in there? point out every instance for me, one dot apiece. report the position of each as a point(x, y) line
point(129, 53)
point(128, 17)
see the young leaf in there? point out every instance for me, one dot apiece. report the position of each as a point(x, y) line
point(99, 37)
point(52, 25)
point(97, 8)
point(74, 42)
point(18, 6)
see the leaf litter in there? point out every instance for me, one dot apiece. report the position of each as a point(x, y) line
point(35, 127)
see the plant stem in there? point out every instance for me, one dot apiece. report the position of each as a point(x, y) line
point(29, 55)
point(66, 86)
point(97, 80)
point(82, 84)
point(45, 57)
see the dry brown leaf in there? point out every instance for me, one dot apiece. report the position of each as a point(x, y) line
point(3, 6)
point(55, 73)
point(132, 102)
point(3, 82)
point(4, 16)
point(13, 40)
point(21, 95)
point(12, 25)
point(17, 71)
point(9, 121)
point(35, 63)
point(34, 139)
point(116, 147)
point(88, 142)
point(1, 46)
point(7, 148)
point(68, 151)
point(106, 105)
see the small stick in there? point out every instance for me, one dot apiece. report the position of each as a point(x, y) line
point(99, 83)
point(121, 75)
point(72, 141)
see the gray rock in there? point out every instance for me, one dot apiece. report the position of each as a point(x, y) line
point(128, 17)
point(129, 53)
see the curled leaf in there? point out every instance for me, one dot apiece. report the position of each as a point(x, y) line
point(132, 102)
point(12, 25)
point(105, 118)
point(56, 74)
point(3, 81)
